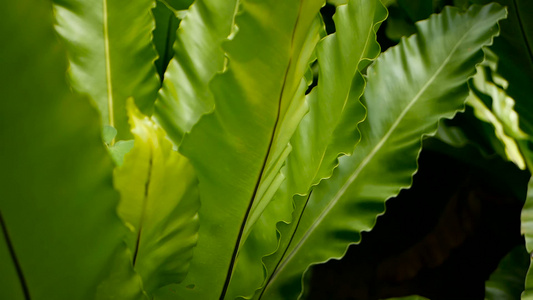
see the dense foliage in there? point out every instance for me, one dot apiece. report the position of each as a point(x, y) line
point(207, 149)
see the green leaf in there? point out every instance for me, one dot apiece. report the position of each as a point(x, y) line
point(337, 2)
point(515, 51)
point(410, 88)
point(58, 222)
point(330, 127)
point(159, 203)
point(398, 24)
point(506, 136)
point(388, 3)
point(510, 147)
point(198, 56)
point(105, 62)
point(260, 234)
point(119, 150)
point(239, 148)
point(507, 281)
point(489, 83)
point(167, 15)
point(453, 136)
point(108, 134)
point(177, 5)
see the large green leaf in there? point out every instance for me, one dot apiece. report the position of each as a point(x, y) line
point(238, 149)
point(111, 55)
point(330, 127)
point(60, 236)
point(198, 56)
point(410, 88)
point(159, 203)
point(259, 233)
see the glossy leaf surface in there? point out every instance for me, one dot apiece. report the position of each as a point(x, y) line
point(330, 127)
point(259, 236)
point(111, 54)
point(198, 56)
point(419, 82)
point(233, 148)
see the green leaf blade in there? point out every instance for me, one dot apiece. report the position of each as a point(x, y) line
point(56, 197)
point(237, 147)
point(330, 127)
point(402, 107)
point(504, 132)
point(166, 25)
point(259, 237)
point(105, 63)
point(198, 56)
point(159, 202)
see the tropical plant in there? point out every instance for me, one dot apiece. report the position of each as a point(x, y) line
point(264, 146)
point(495, 123)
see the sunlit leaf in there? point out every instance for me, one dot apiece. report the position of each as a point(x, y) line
point(159, 203)
point(410, 88)
point(198, 56)
point(237, 149)
point(106, 63)
point(330, 127)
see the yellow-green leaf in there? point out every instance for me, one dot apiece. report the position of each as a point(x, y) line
point(159, 203)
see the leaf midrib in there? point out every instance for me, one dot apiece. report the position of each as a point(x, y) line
point(144, 208)
point(16, 263)
point(367, 159)
point(357, 71)
point(107, 55)
point(265, 161)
